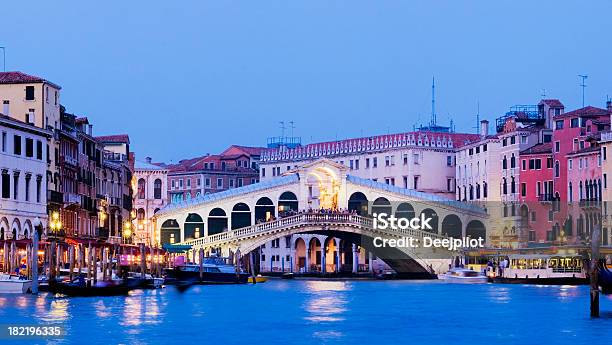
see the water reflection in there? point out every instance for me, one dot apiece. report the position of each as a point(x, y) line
point(326, 304)
point(141, 309)
point(499, 294)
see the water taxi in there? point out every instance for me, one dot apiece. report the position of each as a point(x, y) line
point(215, 270)
point(463, 275)
point(10, 283)
point(540, 269)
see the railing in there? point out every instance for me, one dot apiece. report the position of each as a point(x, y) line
point(71, 198)
point(305, 219)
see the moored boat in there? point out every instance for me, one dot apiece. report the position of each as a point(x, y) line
point(214, 271)
point(463, 275)
point(14, 284)
point(257, 279)
point(80, 289)
point(541, 269)
point(605, 279)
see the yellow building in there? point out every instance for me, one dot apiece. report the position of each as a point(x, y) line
point(36, 101)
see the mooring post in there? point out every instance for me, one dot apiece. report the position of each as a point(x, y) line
point(595, 242)
point(201, 263)
point(252, 264)
point(143, 261)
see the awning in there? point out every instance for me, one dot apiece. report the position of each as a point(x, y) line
point(176, 248)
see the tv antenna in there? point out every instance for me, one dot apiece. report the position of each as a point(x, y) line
point(543, 94)
point(477, 117)
point(3, 58)
point(282, 126)
point(583, 85)
point(292, 126)
point(433, 101)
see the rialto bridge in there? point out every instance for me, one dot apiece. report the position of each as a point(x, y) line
point(281, 221)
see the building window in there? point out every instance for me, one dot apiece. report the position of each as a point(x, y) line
point(240, 182)
point(39, 150)
point(17, 145)
point(3, 141)
point(374, 162)
point(405, 157)
point(27, 187)
point(157, 186)
point(15, 186)
point(263, 172)
point(6, 185)
point(219, 183)
point(523, 189)
point(557, 169)
point(38, 187)
point(29, 93)
point(557, 146)
point(231, 183)
point(207, 182)
point(449, 184)
point(29, 147)
point(559, 124)
point(367, 163)
point(574, 123)
point(415, 182)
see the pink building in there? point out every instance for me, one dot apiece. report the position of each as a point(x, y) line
point(571, 131)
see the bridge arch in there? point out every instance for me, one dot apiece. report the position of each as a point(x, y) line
point(300, 254)
point(429, 213)
point(381, 205)
point(358, 202)
point(405, 210)
point(217, 221)
point(476, 229)
point(193, 226)
point(264, 209)
point(314, 252)
point(170, 232)
point(241, 216)
point(452, 226)
point(287, 201)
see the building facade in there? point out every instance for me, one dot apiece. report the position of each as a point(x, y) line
point(405, 160)
point(151, 196)
point(23, 176)
point(237, 166)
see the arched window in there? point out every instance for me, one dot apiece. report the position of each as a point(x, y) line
point(557, 169)
point(505, 163)
point(157, 186)
point(512, 162)
point(141, 188)
point(512, 186)
point(504, 186)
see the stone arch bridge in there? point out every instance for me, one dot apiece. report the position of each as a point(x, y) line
point(245, 219)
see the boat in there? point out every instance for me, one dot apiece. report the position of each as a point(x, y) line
point(605, 279)
point(215, 270)
point(386, 275)
point(257, 279)
point(136, 280)
point(541, 269)
point(463, 275)
point(10, 283)
point(79, 288)
point(288, 275)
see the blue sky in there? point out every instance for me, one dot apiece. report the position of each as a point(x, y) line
point(192, 78)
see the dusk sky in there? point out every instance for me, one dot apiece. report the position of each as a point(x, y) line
point(188, 78)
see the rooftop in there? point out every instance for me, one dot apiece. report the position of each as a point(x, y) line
point(588, 111)
point(118, 138)
point(22, 78)
point(538, 149)
point(139, 165)
point(553, 103)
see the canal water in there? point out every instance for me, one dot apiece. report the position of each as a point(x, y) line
point(321, 312)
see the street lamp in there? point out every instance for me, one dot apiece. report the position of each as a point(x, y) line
point(127, 229)
point(55, 224)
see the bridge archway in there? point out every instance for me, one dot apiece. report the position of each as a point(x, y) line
point(241, 216)
point(300, 255)
point(476, 229)
point(429, 213)
point(331, 249)
point(170, 232)
point(405, 210)
point(452, 226)
point(264, 209)
point(217, 221)
point(358, 202)
point(314, 248)
point(287, 201)
point(381, 205)
point(194, 226)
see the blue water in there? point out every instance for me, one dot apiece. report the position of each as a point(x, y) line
point(322, 312)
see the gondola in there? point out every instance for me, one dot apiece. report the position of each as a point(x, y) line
point(80, 289)
point(605, 279)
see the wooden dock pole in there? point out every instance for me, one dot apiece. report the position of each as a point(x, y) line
point(201, 251)
point(143, 261)
point(595, 242)
point(252, 264)
point(71, 260)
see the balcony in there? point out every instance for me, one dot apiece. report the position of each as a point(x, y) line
point(69, 160)
point(55, 197)
point(71, 198)
point(546, 198)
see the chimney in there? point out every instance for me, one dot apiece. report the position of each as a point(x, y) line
point(90, 130)
point(148, 159)
point(484, 128)
point(609, 105)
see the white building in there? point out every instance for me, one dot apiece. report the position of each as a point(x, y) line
point(151, 196)
point(23, 177)
point(406, 160)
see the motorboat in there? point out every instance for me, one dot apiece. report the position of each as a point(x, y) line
point(213, 270)
point(257, 279)
point(463, 275)
point(540, 269)
point(136, 280)
point(605, 279)
point(10, 283)
point(79, 288)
